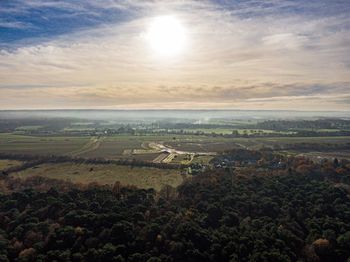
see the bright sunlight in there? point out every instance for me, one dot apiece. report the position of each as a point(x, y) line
point(166, 36)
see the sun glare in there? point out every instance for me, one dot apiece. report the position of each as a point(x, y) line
point(166, 36)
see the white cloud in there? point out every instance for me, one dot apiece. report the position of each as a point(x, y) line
point(15, 24)
point(113, 66)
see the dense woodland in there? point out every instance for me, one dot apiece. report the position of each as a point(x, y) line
point(307, 147)
point(305, 124)
point(300, 214)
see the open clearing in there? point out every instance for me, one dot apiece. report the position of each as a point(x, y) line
point(40, 145)
point(141, 177)
point(5, 163)
point(140, 147)
point(91, 145)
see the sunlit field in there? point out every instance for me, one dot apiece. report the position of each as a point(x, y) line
point(140, 177)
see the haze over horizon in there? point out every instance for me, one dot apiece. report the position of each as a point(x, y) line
point(262, 55)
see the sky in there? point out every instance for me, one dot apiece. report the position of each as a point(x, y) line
point(268, 55)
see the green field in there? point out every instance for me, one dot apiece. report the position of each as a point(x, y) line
point(145, 148)
point(122, 146)
point(141, 177)
point(109, 147)
point(43, 145)
point(138, 147)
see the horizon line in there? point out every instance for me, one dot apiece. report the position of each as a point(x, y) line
point(169, 109)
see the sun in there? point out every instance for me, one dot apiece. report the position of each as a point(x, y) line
point(166, 36)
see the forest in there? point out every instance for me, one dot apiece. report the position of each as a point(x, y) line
point(300, 214)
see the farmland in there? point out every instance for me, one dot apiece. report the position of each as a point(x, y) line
point(5, 164)
point(142, 147)
point(140, 177)
point(111, 147)
point(40, 145)
point(153, 153)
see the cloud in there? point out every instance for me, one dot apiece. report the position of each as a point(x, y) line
point(172, 96)
point(18, 25)
point(250, 54)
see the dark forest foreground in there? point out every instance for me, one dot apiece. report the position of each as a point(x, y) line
point(217, 216)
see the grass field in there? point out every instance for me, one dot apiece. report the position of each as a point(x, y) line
point(5, 163)
point(141, 177)
point(20, 144)
point(123, 146)
point(113, 147)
